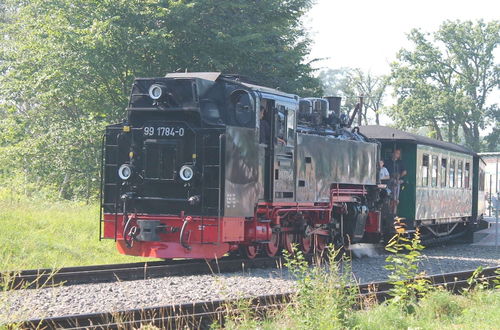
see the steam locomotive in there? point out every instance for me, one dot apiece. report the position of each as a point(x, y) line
point(189, 173)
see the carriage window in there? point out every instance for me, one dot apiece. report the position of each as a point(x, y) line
point(444, 165)
point(467, 176)
point(459, 174)
point(434, 171)
point(452, 173)
point(425, 170)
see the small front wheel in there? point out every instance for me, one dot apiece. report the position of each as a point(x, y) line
point(249, 251)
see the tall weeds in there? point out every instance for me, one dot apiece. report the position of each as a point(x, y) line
point(326, 295)
point(406, 278)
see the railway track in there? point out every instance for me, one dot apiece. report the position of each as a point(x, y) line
point(202, 314)
point(31, 279)
point(38, 278)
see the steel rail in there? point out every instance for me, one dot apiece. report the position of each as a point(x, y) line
point(38, 278)
point(202, 314)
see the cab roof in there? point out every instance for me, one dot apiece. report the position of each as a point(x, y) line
point(214, 76)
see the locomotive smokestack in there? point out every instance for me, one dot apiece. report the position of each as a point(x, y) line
point(334, 104)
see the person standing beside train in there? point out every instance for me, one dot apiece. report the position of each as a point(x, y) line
point(397, 171)
point(384, 173)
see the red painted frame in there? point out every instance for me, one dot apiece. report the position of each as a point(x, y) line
point(210, 237)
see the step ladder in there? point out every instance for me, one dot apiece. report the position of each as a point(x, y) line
point(211, 187)
point(107, 145)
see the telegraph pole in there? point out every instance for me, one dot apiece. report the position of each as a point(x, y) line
point(360, 109)
point(490, 204)
point(497, 207)
point(496, 174)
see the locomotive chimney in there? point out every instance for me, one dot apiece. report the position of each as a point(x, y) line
point(334, 104)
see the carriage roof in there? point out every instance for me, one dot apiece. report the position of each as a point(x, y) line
point(385, 133)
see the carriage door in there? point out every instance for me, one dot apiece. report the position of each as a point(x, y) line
point(284, 149)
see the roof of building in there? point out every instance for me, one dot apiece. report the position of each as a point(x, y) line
point(493, 154)
point(387, 133)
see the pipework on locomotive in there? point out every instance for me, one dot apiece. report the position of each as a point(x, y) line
point(188, 175)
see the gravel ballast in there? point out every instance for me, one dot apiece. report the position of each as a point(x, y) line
point(107, 297)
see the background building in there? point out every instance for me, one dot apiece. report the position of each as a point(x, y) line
point(492, 179)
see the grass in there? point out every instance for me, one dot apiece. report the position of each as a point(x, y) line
point(478, 309)
point(323, 301)
point(437, 310)
point(60, 234)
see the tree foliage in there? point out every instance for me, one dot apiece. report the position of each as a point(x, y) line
point(444, 81)
point(350, 84)
point(66, 67)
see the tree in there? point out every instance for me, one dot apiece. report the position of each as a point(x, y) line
point(66, 67)
point(351, 84)
point(335, 81)
point(372, 88)
point(445, 80)
point(263, 40)
point(492, 141)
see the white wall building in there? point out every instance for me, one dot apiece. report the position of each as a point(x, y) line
point(492, 176)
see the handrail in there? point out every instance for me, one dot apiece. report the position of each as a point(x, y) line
point(101, 187)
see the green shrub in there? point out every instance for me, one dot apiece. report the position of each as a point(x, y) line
point(325, 297)
point(408, 282)
point(326, 293)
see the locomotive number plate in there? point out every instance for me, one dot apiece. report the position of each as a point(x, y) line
point(164, 131)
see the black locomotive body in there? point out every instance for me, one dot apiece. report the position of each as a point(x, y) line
point(206, 164)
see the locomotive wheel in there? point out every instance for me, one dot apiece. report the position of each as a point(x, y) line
point(289, 240)
point(272, 248)
point(320, 243)
point(249, 251)
point(306, 240)
point(305, 243)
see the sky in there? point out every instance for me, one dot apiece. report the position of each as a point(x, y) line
point(367, 34)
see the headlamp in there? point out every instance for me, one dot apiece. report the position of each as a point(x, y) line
point(125, 172)
point(186, 172)
point(155, 91)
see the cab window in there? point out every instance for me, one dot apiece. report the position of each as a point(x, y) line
point(290, 127)
point(242, 108)
point(281, 124)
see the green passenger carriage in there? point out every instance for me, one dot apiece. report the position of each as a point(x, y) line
point(443, 191)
